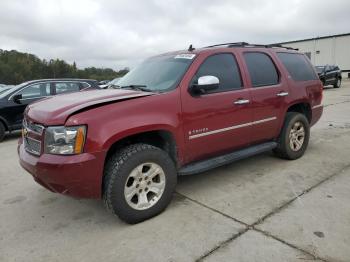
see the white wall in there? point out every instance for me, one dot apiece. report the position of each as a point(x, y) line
point(333, 50)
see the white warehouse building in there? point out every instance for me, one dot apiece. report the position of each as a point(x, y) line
point(331, 50)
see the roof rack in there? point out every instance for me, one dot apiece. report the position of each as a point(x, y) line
point(245, 44)
point(281, 46)
point(228, 44)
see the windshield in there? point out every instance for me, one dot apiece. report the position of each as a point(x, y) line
point(158, 74)
point(114, 81)
point(3, 89)
point(319, 69)
point(10, 90)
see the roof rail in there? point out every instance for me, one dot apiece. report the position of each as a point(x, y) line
point(245, 44)
point(228, 44)
point(281, 46)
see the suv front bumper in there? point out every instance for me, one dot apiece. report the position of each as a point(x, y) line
point(78, 176)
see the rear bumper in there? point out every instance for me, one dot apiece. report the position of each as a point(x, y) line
point(317, 112)
point(78, 176)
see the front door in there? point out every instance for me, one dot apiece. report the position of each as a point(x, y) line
point(29, 94)
point(219, 120)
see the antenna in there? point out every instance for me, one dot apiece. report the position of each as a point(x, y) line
point(191, 48)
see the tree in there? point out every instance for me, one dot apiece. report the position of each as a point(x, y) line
point(17, 67)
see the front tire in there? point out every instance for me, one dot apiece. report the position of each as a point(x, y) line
point(337, 84)
point(2, 131)
point(294, 137)
point(139, 182)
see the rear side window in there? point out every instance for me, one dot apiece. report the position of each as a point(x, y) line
point(298, 67)
point(224, 67)
point(66, 87)
point(261, 69)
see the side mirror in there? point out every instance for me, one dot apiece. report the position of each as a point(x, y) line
point(205, 84)
point(17, 98)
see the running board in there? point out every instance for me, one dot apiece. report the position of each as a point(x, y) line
point(211, 163)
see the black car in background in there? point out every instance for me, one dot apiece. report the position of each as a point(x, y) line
point(329, 75)
point(14, 100)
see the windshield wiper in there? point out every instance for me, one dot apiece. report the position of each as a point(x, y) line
point(138, 87)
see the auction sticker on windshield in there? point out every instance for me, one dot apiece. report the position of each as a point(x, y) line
point(185, 56)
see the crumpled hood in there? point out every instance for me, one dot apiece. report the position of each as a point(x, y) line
point(55, 110)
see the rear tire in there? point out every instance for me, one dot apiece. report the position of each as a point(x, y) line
point(2, 131)
point(294, 137)
point(337, 83)
point(139, 182)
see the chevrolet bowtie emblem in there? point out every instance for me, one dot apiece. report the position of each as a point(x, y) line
point(24, 131)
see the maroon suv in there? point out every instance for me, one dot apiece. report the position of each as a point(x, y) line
point(178, 113)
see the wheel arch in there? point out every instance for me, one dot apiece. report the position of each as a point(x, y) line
point(302, 107)
point(161, 138)
point(5, 123)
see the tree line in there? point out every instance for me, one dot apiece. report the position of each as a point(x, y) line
point(17, 67)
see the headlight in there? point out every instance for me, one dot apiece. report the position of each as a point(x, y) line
point(63, 140)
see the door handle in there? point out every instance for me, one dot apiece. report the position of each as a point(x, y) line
point(241, 102)
point(283, 94)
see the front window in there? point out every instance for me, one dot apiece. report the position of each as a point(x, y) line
point(225, 68)
point(36, 91)
point(158, 74)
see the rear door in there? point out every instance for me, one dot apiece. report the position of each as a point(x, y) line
point(217, 121)
point(269, 91)
point(302, 79)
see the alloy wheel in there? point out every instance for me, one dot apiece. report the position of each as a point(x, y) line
point(144, 186)
point(297, 136)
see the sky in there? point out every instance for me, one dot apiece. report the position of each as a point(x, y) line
point(118, 33)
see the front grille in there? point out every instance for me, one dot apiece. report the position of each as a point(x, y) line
point(36, 128)
point(32, 135)
point(32, 145)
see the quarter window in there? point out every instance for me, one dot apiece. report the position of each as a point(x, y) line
point(85, 85)
point(298, 67)
point(261, 69)
point(225, 68)
point(66, 87)
point(36, 91)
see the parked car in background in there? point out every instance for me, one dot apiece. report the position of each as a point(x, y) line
point(14, 100)
point(329, 75)
point(111, 83)
point(103, 82)
point(114, 82)
point(178, 113)
point(4, 88)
